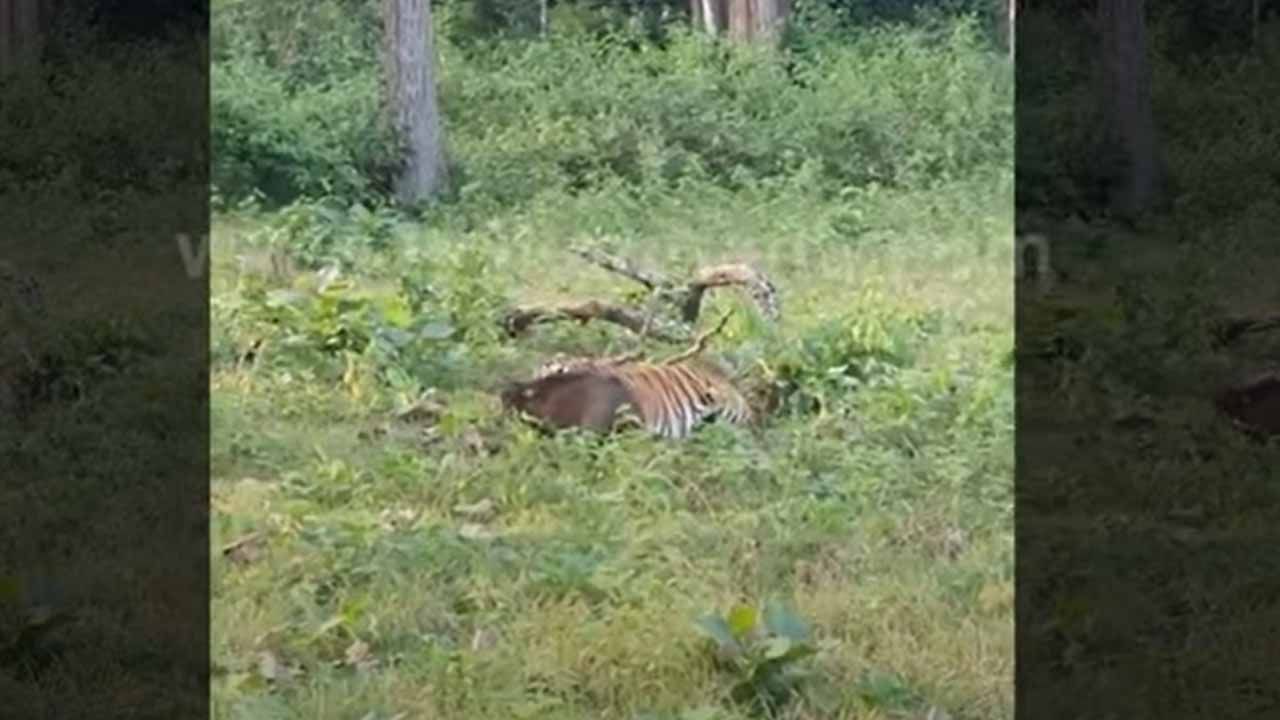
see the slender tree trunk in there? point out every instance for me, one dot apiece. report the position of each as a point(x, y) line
point(21, 33)
point(741, 20)
point(751, 20)
point(410, 70)
point(6, 36)
point(1257, 19)
point(1126, 102)
point(542, 18)
point(710, 15)
point(770, 16)
point(1011, 19)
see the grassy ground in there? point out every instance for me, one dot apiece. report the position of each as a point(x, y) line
point(455, 564)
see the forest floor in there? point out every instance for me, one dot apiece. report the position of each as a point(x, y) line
point(454, 564)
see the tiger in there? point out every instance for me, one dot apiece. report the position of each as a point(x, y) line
point(669, 399)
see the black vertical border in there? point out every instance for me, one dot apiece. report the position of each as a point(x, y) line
point(104, 424)
point(1148, 577)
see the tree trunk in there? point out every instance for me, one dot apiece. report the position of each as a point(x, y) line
point(1126, 104)
point(6, 36)
point(1011, 27)
point(20, 33)
point(710, 15)
point(1257, 19)
point(410, 69)
point(751, 20)
point(770, 17)
point(741, 17)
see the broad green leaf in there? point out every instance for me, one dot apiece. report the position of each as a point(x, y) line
point(436, 331)
point(742, 620)
point(776, 647)
point(394, 337)
point(798, 651)
point(353, 610)
point(781, 621)
point(396, 312)
point(718, 630)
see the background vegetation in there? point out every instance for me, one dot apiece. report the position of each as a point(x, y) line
point(388, 545)
point(1139, 510)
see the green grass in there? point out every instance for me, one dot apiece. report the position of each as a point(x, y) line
point(884, 520)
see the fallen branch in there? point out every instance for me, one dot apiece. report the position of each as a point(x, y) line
point(519, 320)
point(646, 322)
point(757, 286)
point(1231, 330)
point(688, 296)
point(623, 267)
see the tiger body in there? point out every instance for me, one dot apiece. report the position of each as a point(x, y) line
point(670, 399)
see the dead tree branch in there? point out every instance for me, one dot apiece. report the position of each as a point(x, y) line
point(757, 286)
point(688, 296)
point(519, 320)
point(1233, 329)
point(622, 266)
point(685, 298)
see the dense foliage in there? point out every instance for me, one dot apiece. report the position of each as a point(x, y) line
point(604, 103)
point(1214, 93)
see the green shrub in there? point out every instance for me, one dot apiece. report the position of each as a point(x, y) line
point(119, 117)
point(1214, 116)
point(895, 106)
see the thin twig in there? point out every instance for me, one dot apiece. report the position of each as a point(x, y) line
point(651, 312)
point(1231, 330)
point(519, 320)
point(700, 343)
point(622, 266)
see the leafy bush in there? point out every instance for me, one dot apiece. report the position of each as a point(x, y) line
point(119, 117)
point(898, 106)
point(761, 649)
point(319, 233)
point(315, 141)
point(867, 345)
point(1214, 115)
